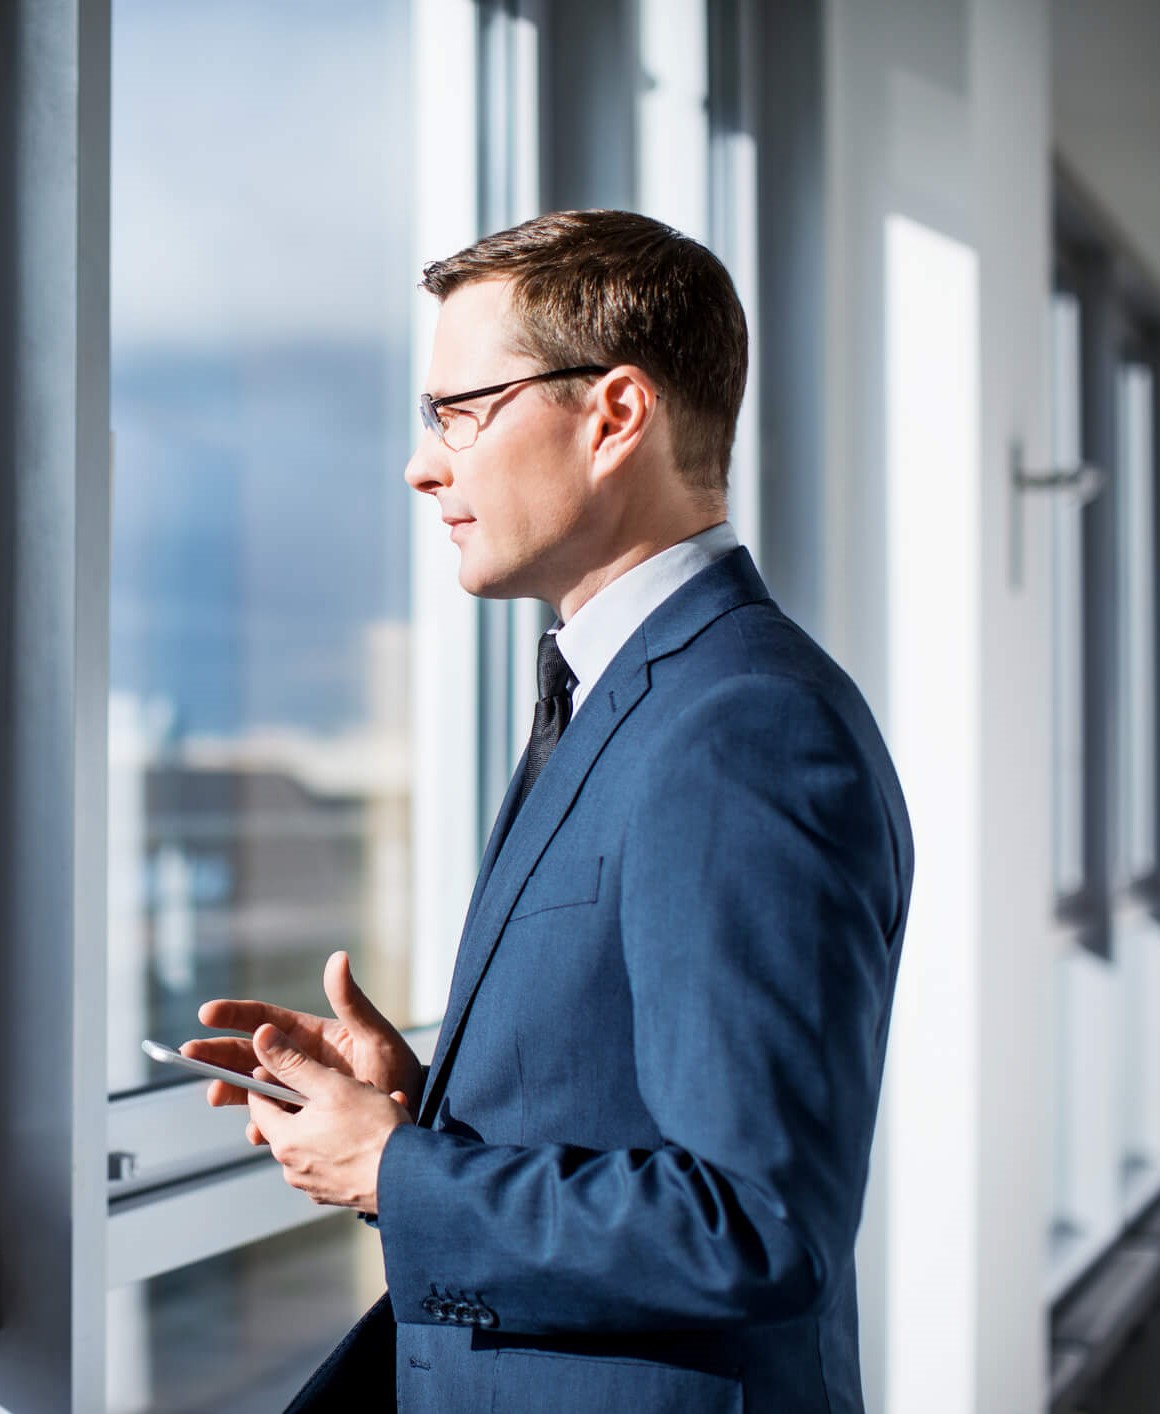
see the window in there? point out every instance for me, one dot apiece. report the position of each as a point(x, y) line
point(307, 720)
point(1106, 1163)
point(259, 811)
point(242, 1330)
point(277, 601)
point(261, 771)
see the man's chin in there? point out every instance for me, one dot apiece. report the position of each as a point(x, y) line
point(488, 591)
point(477, 583)
point(482, 585)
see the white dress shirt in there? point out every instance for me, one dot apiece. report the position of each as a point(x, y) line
point(598, 630)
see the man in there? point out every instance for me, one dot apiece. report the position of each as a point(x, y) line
point(633, 1177)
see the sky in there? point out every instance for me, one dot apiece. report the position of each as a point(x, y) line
point(260, 160)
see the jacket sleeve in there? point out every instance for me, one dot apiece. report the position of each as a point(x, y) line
point(764, 888)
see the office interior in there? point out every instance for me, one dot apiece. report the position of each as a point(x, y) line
point(247, 716)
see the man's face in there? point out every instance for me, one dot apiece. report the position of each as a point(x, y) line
point(516, 501)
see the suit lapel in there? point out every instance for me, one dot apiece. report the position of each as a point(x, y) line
point(495, 841)
point(513, 858)
point(515, 846)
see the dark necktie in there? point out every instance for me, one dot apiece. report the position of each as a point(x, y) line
point(553, 710)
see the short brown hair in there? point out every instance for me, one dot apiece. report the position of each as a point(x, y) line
point(609, 287)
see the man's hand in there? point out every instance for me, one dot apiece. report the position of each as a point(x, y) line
point(358, 1041)
point(331, 1147)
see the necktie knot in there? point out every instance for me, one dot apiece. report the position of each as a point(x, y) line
point(552, 671)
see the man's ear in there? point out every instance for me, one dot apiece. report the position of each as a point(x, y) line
point(625, 403)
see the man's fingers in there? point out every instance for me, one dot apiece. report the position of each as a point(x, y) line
point(401, 1099)
point(232, 1052)
point(349, 1002)
point(287, 1063)
point(228, 1014)
point(220, 1093)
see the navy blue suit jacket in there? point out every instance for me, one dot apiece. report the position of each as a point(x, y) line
point(640, 1162)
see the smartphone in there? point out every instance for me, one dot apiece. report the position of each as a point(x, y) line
point(167, 1056)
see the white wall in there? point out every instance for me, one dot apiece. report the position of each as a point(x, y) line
point(939, 114)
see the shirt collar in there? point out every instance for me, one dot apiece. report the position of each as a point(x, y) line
point(598, 630)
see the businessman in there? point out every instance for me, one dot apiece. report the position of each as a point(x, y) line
point(633, 1176)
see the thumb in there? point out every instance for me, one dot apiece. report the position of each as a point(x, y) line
point(349, 1002)
point(401, 1099)
point(286, 1062)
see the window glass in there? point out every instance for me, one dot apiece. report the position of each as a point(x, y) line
point(260, 795)
point(242, 1331)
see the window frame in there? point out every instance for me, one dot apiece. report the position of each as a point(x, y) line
point(1083, 272)
point(1069, 817)
point(1135, 355)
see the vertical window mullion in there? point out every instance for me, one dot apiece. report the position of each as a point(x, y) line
point(54, 445)
point(1136, 574)
point(1067, 617)
point(1098, 344)
point(509, 140)
point(733, 220)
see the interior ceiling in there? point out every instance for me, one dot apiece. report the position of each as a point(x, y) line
point(1106, 101)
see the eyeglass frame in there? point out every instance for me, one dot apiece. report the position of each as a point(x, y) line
point(429, 406)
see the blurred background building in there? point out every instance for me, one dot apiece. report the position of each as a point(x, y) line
point(247, 717)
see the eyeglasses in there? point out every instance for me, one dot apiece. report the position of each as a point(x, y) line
point(457, 428)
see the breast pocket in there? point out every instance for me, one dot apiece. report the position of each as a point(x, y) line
point(560, 885)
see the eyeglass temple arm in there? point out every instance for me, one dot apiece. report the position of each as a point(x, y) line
point(501, 387)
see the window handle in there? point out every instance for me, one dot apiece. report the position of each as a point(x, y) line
point(1083, 483)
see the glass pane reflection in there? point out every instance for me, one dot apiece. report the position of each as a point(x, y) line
point(259, 782)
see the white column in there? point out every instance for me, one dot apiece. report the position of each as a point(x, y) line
point(442, 616)
point(672, 180)
point(933, 548)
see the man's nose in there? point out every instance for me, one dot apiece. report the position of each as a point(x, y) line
point(430, 467)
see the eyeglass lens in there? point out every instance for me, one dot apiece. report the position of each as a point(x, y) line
point(455, 428)
point(458, 429)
